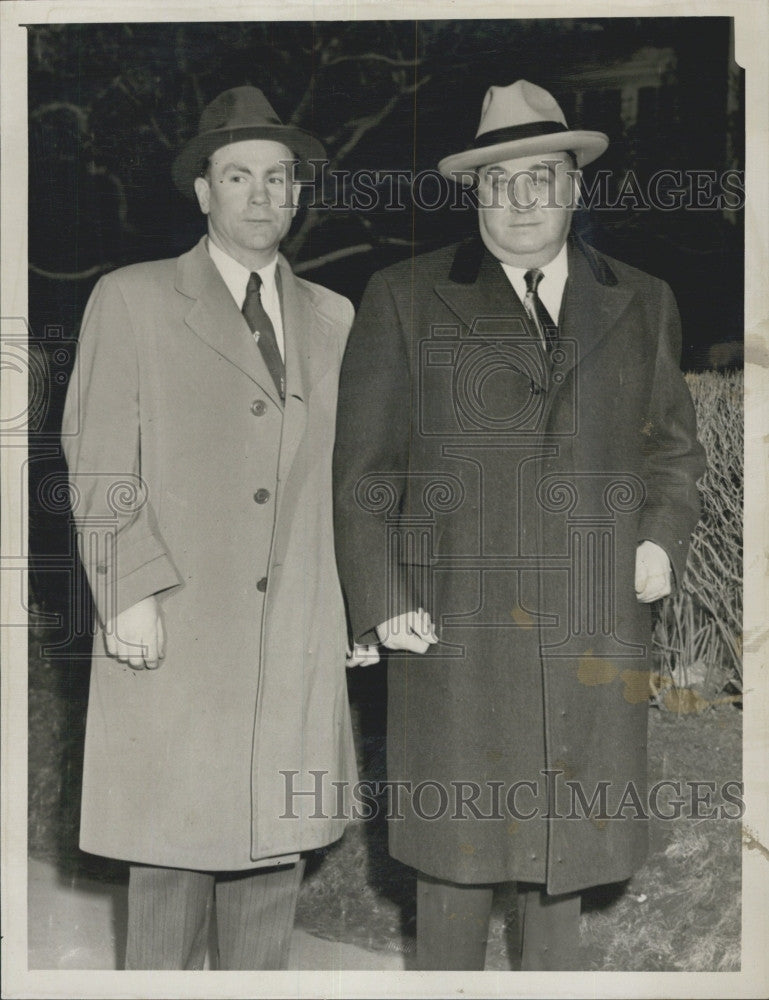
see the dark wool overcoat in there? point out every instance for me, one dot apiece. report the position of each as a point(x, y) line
point(192, 481)
point(506, 491)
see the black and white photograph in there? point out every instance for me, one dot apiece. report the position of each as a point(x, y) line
point(384, 426)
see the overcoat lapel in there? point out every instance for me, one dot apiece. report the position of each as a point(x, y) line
point(298, 328)
point(479, 292)
point(216, 319)
point(593, 302)
point(478, 288)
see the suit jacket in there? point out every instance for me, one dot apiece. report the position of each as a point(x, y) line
point(506, 492)
point(192, 481)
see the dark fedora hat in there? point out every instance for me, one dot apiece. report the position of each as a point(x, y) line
point(234, 116)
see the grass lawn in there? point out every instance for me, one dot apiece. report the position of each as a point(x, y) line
point(680, 912)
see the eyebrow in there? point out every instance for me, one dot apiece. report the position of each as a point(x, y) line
point(533, 168)
point(242, 168)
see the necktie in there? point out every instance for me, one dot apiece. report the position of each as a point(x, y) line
point(546, 328)
point(261, 325)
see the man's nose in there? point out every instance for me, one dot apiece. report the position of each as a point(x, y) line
point(522, 193)
point(258, 192)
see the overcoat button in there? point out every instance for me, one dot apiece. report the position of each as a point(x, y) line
point(258, 407)
point(262, 584)
point(262, 496)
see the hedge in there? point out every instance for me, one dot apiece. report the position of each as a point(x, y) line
point(698, 635)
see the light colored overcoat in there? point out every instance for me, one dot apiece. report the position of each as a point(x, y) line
point(190, 480)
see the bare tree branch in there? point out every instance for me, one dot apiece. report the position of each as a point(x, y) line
point(122, 200)
point(70, 275)
point(360, 127)
point(304, 104)
point(365, 124)
point(373, 57)
point(159, 133)
point(121, 85)
point(329, 258)
point(198, 91)
point(80, 113)
point(334, 255)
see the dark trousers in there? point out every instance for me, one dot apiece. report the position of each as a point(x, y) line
point(453, 926)
point(169, 912)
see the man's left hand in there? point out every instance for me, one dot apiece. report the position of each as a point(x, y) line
point(653, 574)
point(362, 656)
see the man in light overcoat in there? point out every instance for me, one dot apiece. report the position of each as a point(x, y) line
point(199, 448)
point(516, 468)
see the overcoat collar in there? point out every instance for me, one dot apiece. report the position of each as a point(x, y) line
point(215, 318)
point(593, 298)
point(478, 288)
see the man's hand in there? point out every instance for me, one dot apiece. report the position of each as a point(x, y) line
point(362, 655)
point(652, 572)
point(136, 635)
point(412, 631)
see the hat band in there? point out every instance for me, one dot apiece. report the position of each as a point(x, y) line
point(513, 132)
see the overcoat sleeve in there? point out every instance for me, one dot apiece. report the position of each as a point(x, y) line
point(124, 557)
point(371, 459)
point(674, 459)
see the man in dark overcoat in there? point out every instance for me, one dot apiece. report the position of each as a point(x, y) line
point(199, 439)
point(515, 479)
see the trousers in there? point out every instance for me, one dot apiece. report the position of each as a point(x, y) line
point(453, 926)
point(170, 909)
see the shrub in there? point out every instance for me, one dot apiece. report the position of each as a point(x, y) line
point(698, 636)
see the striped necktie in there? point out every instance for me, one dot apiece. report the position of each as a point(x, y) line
point(534, 306)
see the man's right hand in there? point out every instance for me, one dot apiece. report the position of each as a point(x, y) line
point(136, 635)
point(412, 631)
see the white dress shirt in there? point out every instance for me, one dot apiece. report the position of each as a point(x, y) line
point(550, 289)
point(236, 276)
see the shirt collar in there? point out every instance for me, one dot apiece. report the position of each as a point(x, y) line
point(552, 285)
point(236, 276)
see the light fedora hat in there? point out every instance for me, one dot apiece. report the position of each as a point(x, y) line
point(519, 120)
point(234, 116)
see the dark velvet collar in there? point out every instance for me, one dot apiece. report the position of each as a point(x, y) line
point(467, 261)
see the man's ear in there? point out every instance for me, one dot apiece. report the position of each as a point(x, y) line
point(576, 180)
point(296, 190)
point(203, 192)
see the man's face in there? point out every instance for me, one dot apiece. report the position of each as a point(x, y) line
point(525, 207)
point(249, 199)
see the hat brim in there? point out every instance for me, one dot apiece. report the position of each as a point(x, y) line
point(188, 163)
point(587, 146)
